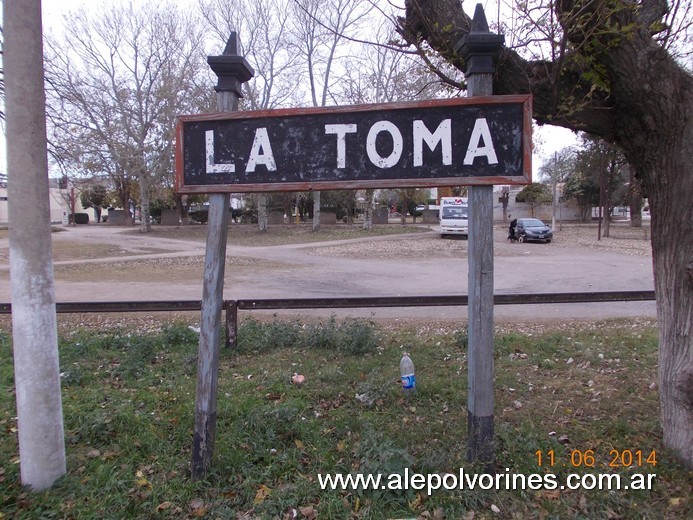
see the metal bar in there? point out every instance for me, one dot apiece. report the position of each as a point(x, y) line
point(350, 303)
point(442, 301)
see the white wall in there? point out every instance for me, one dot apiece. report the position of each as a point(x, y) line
point(564, 211)
point(3, 204)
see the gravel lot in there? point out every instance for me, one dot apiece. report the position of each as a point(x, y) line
point(623, 239)
point(101, 263)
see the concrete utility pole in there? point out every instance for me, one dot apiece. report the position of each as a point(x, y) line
point(554, 188)
point(232, 70)
point(479, 49)
point(34, 323)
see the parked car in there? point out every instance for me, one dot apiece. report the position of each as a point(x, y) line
point(419, 210)
point(533, 229)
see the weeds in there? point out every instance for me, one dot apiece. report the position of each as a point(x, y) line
point(351, 336)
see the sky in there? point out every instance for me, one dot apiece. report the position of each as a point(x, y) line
point(548, 139)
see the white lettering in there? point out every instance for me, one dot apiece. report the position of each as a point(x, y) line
point(340, 130)
point(209, 152)
point(261, 152)
point(397, 144)
point(394, 482)
point(441, 135)
point(475, 149)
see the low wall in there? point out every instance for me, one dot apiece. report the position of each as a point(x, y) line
point(170, 217)
point(116, 217)
point(380, 216)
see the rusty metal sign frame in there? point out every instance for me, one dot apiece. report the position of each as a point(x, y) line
point(383, 111)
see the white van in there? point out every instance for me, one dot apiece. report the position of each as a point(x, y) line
point(454, 216)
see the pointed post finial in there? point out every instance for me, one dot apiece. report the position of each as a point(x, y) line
point(480, 48)
point(232, 45)
point(479, 23)
point(231, 69)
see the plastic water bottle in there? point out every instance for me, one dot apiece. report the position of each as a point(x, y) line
point(406, 370)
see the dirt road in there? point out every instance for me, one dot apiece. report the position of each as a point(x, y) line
point(106, 263)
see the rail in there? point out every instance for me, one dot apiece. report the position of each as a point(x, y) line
point(346, 302)
point(233, 306)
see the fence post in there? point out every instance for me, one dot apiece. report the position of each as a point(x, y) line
point(232, 70)
point(479, 50)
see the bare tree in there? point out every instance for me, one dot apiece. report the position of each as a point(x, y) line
point(117, 80)
point(264, 29)
point(321, 31)
point(382, 74)
point(557, 171)
point(266, 42)
point(611, 69)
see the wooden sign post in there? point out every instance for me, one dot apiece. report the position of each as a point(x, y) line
point(479, 49)
point(232, 70)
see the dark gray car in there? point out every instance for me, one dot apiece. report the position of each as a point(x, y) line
point(533, 229)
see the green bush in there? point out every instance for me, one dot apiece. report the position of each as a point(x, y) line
point(80, 218)
point(198, 217)
point(358, 336)
point(322, 335)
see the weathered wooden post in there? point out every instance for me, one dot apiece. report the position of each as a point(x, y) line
point(479, 49)
point(232, 71)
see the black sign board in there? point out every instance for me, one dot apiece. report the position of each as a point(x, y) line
point(464, 141)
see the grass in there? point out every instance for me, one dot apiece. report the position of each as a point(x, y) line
point(128, 401)
point(248, 235)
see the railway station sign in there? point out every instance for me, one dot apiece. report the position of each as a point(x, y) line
point(452, 142)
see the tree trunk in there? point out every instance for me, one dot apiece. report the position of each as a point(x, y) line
point(316, 211)
point(262, 213)
point(672, 251)
point(182, 208)
point(125, 202)
point(368, 213)
point(145, 224)
point(635, 199)
point(607, 212)
point(585, 208)
point(73, 204)
point(656, 133)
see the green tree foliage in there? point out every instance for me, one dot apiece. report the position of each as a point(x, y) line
point(97, 197)
point(534, 195)
point(584, 190)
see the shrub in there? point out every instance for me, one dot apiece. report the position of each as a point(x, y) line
point(255, 336)
point(357, 336)
point(198, 217)
point(322, 335)
point(352, 336)
point(176, 334)
point(80, 218)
